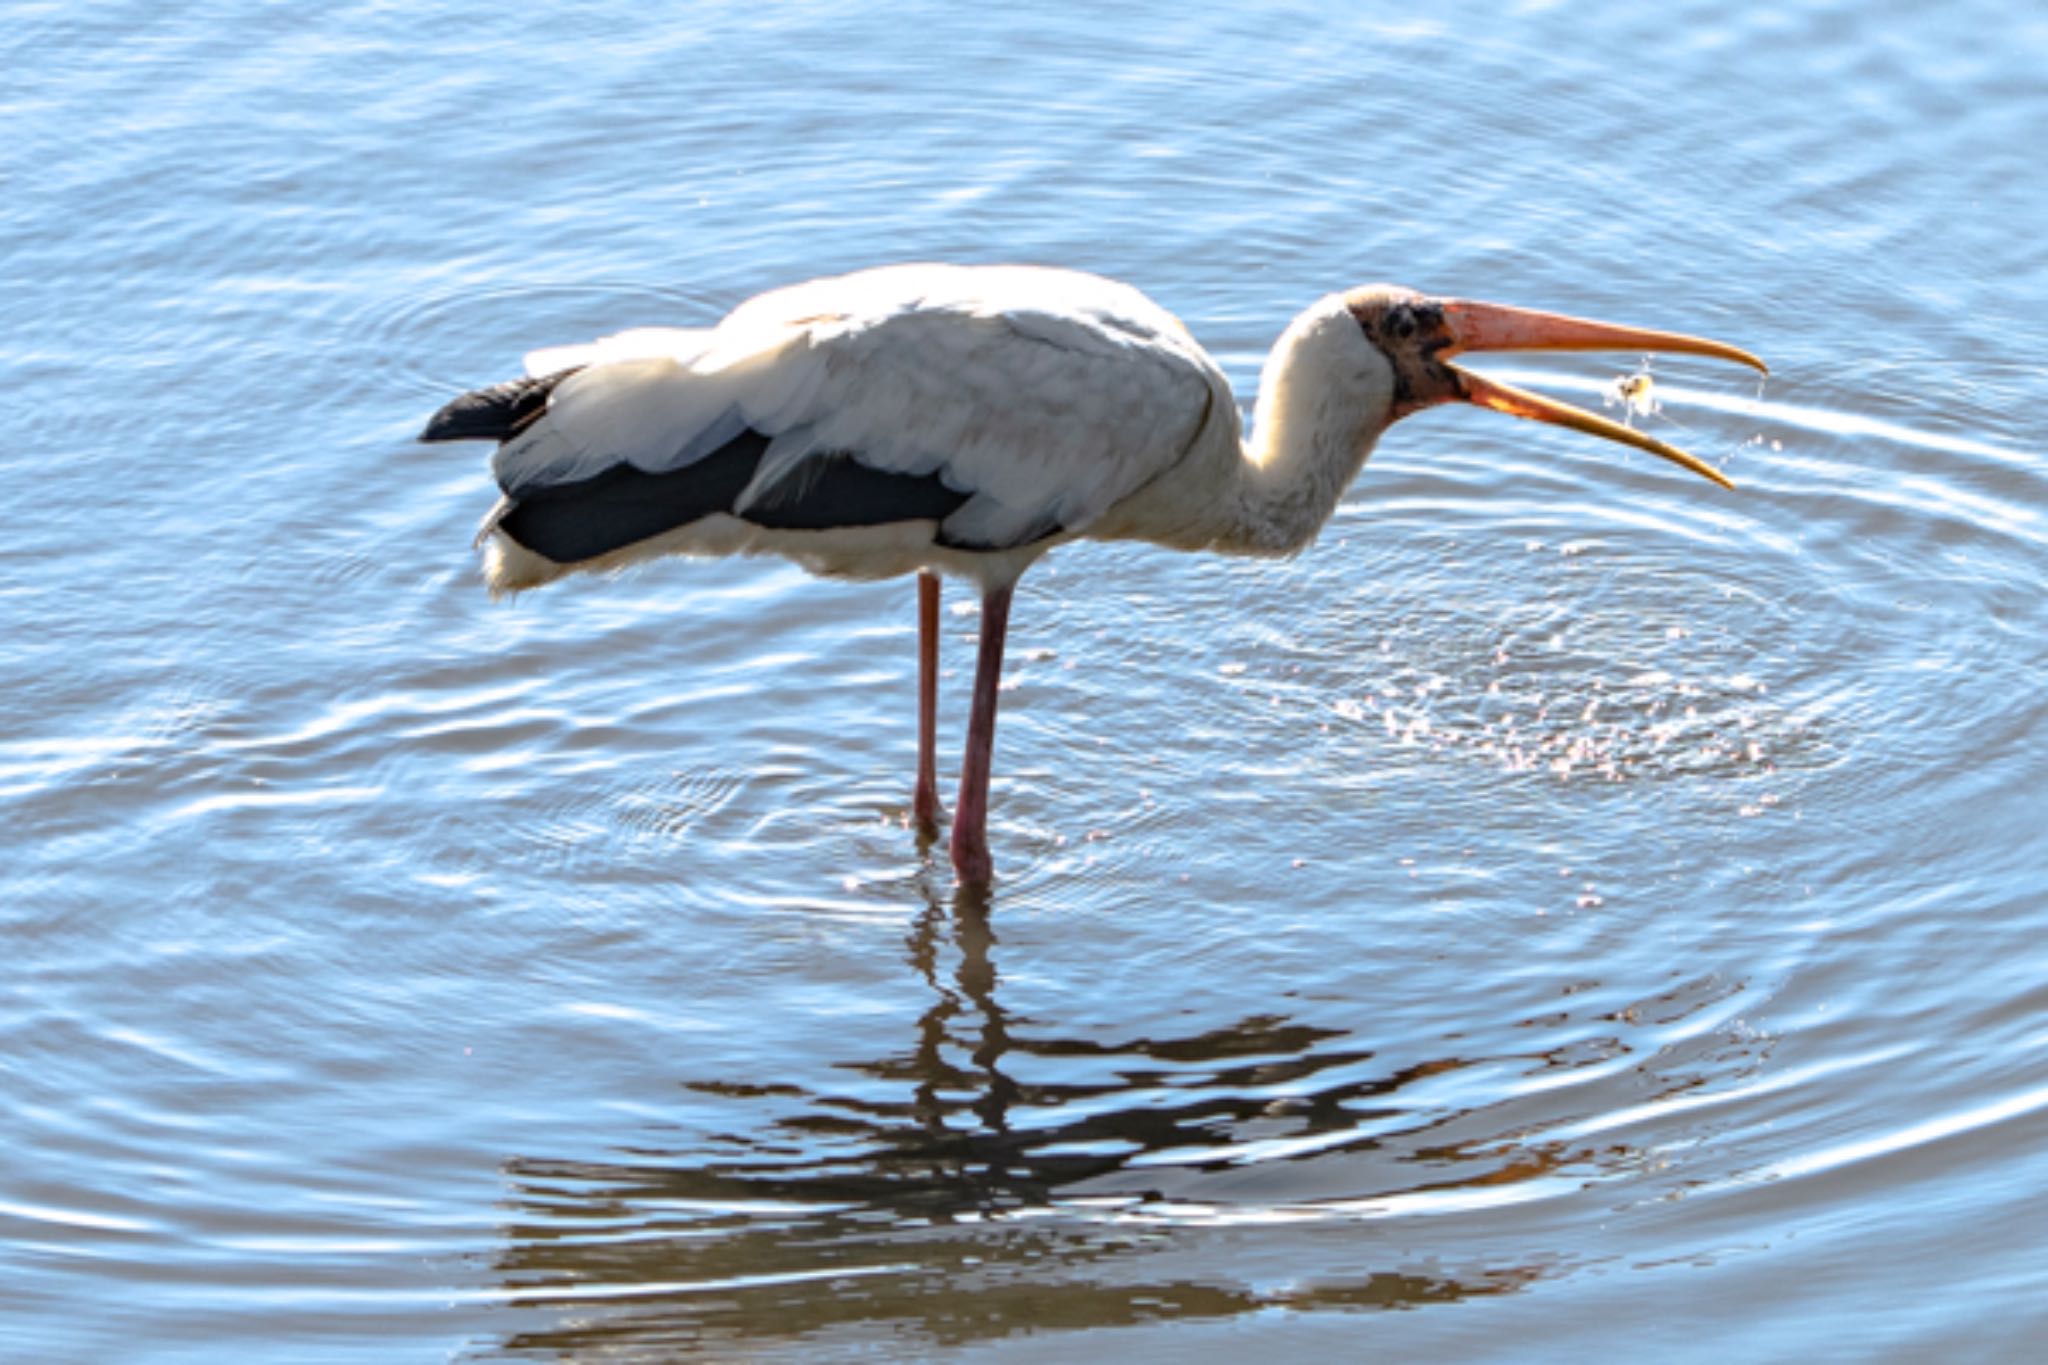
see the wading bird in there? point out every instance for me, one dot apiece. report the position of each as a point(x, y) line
point(964, 420)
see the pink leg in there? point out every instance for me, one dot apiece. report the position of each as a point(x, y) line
point(970, 812)
point(924, 808)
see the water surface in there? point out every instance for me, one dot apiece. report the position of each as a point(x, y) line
point(1572, 906)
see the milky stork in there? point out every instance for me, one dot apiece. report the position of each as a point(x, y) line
point(964, 420)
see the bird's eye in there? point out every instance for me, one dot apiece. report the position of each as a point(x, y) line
point(1402, 324)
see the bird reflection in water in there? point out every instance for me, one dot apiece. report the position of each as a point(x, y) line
point(949, 1201)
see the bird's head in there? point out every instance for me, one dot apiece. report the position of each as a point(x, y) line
point(1419, 335)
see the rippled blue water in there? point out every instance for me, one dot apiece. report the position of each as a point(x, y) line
point(1585, 909)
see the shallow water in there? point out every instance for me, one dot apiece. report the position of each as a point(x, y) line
point(1572, 904)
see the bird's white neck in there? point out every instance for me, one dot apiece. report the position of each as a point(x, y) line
point(1323, 401)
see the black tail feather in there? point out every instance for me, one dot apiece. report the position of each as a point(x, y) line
point(497, 413)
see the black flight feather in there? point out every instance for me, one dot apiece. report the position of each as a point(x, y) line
point(497, 413)
point(569, 522)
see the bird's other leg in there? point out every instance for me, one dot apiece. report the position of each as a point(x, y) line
point(924, 807)
point(970, 812)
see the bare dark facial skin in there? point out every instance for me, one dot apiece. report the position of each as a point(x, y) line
point(1412, 331)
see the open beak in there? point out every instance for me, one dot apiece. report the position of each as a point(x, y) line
point(1496, 327)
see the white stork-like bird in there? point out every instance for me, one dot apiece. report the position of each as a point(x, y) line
point(964, 420)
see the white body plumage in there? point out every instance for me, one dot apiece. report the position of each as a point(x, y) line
point(1062, 404)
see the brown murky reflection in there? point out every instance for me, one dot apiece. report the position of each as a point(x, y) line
point(948, 1200)
point(953, 1296)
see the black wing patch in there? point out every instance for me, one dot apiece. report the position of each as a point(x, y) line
point(568, 522)
point(497, 413)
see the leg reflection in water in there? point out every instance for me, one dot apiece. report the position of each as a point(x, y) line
point(992, 1164)
point(973, 990)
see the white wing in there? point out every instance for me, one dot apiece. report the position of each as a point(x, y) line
point(642, 343)
point(1045, 395)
